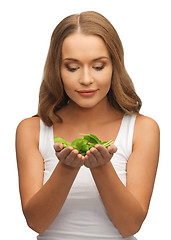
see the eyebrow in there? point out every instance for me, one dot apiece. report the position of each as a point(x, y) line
point(75, 60)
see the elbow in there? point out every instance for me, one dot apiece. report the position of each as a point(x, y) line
point(130, 231)
point(35, 227)
point(33, 222)
point(132, 226)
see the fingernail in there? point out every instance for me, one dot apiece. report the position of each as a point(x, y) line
point(75, 151)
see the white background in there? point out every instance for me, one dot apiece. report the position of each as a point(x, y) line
point(25, 31)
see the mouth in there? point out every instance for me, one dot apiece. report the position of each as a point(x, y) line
point(87, 92)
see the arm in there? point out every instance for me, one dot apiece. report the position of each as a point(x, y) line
point(40, 203)
point(127, 206)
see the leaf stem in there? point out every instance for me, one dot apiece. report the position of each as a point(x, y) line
point(108, 143)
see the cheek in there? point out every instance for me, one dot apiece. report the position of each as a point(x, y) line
point(66, 79)
point(105, 79)
point(64, 75)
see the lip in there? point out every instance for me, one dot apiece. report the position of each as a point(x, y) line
point(87, 92)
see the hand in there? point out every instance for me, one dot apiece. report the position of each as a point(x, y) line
point(68, 156)
point(99, 155)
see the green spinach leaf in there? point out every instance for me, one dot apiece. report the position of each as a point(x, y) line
point(84, 144)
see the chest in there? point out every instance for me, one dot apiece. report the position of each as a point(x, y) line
point(104, 132)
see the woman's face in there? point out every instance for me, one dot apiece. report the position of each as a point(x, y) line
point(86, 69)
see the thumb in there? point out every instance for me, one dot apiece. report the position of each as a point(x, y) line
point(112, 148)
point(58, 147)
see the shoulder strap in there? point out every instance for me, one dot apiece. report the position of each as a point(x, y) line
point(45, 137)
point(131, 131)
point(125, 136)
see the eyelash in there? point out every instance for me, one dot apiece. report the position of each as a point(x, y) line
point(74, 69)
point(71, 69)
point(99, 68)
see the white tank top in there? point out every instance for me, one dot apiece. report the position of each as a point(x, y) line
point(83, 215)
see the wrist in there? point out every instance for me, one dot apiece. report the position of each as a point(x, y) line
point(68, 168)
point(101, 169)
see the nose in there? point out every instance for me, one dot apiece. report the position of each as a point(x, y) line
point(86, 78)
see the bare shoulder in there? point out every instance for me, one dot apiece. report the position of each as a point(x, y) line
point(29, 127)
point(32, 122)
point(146, 122)
point(145, 128)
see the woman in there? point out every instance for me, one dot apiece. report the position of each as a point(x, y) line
point(106, 193)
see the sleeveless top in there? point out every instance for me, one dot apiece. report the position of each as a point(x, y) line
point(83, 215)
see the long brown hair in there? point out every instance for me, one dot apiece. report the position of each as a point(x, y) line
point(52, 95)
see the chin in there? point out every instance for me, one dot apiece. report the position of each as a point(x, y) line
point(87, 104)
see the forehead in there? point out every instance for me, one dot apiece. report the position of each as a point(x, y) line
point(84, 47)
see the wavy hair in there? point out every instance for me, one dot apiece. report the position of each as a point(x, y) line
point(52, 96)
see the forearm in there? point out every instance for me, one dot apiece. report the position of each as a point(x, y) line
point(123, 209)
point(45, 205)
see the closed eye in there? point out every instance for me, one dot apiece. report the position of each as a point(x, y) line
point(72, 69)
point(98, 68)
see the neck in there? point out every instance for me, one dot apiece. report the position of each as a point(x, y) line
point(101, 113)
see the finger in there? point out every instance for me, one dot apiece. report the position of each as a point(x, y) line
point(81, 157)
point(64, 153)
point(112, 148)
point(71, 156)
point(78, 161)
point(91, 159)
point(96, 154)
point(103, 151)
point(58, 147)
